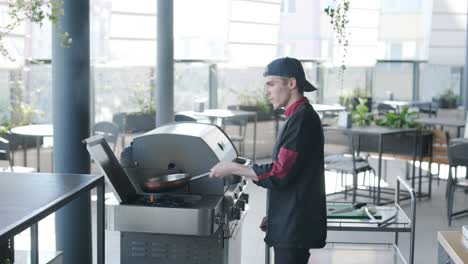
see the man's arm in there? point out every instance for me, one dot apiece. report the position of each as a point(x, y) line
point(226, 168)
point(290, 157)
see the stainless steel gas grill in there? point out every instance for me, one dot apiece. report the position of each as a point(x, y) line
point(195, 221)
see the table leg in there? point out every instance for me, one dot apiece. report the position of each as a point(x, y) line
point(100, 245)
point(420, 175)
point(413, 168)
point(379, 168)
point(122, 141)
point(430, 171)
point(458, 132)
point(34, 244)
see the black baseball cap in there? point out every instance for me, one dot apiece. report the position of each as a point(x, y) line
point(291, 68)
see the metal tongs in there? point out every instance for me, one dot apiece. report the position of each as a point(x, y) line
point(383, 223)
point(350, 209)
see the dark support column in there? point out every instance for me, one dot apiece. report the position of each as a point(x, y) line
point(416, 81)
point(369, 81)
point(165, 63)
point(92, 99)
point(213, 86)
point(71, 118)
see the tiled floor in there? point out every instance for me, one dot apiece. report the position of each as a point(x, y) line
point(430, 219)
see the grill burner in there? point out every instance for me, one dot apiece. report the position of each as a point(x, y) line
point(165, 200)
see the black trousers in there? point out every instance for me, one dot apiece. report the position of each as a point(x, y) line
point(291, 255)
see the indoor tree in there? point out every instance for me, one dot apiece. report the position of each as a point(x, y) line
point(34, 11)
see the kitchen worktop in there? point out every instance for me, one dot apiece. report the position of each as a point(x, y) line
point(452, 243)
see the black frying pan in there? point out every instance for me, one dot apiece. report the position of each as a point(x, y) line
point(170, 181)
point(177, 180)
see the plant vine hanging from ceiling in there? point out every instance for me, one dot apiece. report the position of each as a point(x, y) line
point(35, 11)
point(337, 11)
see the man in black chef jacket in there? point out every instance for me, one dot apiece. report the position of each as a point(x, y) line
point(296, 217)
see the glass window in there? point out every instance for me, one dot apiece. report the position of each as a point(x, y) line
point(401, 5)
point(141, 6)
point(191, 82)
point(123, 26)
point(292, 6)
point(249, 11)
point(395, 50)
point(4, 96)
point(202, 33)
point(393, 78)
point(408, 50)
point(253, 33)
point(133, 51)
point(251, 54)
point(437, 79)
point(288, 6)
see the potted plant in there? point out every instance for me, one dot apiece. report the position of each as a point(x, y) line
point(351, 98)
point(22, 113)
point(361, 114)
point(256, 102)
point(142, 120)
point(448, 99)
point(400, 144)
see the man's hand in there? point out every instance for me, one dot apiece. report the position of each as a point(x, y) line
point(223, 169)
point(226, 168)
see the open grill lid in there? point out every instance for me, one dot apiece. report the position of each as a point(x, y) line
point(105, 159)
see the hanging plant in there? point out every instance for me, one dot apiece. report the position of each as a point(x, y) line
point(35, 11)
point(337, 11)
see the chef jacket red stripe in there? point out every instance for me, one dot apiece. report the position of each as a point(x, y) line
point(282, 165)
point(292, 108)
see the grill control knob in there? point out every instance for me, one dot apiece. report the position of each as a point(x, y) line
point(244, 197)
point(236, 213)
point(219, 220)
point(241, 205)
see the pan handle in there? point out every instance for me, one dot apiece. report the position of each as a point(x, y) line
point(243, 161)
point(199, 176)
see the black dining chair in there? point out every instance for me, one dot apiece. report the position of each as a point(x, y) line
point(458, 156)
point(109, 130)
point(341, 157)
point(5, 155)
point(184, 118)
point(383, 109)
